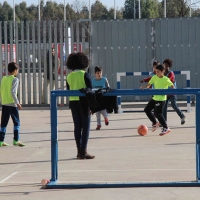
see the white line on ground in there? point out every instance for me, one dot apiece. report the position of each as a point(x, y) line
point(5, 179)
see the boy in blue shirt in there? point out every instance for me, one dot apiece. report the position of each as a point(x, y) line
point(99, 83)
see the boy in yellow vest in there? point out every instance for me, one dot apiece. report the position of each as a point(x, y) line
point(157, 102)
point(10, 104)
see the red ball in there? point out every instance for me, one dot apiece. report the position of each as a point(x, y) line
point(142, 130)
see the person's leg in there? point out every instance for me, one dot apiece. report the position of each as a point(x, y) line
point(98, 116)
point(105, 115)
point(161, 119)
point(76, 115)
point(148, 110)
point(5, 115)
point(165, 107)
point(176, 108)
point(85, 118)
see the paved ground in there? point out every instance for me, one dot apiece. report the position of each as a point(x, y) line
point(121, 156)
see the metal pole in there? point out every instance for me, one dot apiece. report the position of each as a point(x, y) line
point(164, 8)
point(64, 11)
point(38, 10)
point(14, 18)
point(89, 10)
point(190, 8)
point(139, 9)
point(114, 9)
point(134, 9)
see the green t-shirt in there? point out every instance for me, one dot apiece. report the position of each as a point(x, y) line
point(160, 83)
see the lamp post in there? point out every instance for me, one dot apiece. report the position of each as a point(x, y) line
point(89, 10)
point(64, 11)
point(139, 9)
point(114, 9)
point(164, 8)
point(39, 10)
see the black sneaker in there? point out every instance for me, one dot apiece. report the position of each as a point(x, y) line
point(183, 120)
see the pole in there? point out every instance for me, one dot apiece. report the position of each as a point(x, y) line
point(114, 9)
point(134, 9)
point(139, 9)
point(64, 11)
point(89, 10)
point(14, 19)
point(190, 8)
point(164, 8)
point(39, 10)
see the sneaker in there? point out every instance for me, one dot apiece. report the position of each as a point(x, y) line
point(18, 143)
point(183, 120)
point(98, 127)
point(106, 121)
point(155, 126)
point(3, 144)
point(164, 131)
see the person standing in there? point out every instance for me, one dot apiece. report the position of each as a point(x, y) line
point(78, 79)
point(10, 104)
point(48, 74)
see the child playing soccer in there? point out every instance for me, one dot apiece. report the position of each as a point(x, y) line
point(157, 102)
point(78, 79)
point(170, 74)
point(100, 82)
point(10, 104)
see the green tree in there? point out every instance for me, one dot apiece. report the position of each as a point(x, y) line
point(99, 11)
point(6, 12)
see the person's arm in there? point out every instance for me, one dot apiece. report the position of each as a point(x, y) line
point(172, 86)
point(107, 83)
point(145, 86)
point(14, 88)
point(171, 77)
point(88, 80)
point(145, 80)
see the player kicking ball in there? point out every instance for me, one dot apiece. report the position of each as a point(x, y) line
point(160, 81)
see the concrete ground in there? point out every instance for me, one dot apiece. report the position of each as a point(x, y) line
point(121, 156)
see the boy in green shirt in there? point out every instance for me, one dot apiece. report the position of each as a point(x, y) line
point(158, 101)
point(10, 104)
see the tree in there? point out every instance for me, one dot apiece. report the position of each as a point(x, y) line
point(99, 11)
point(6, 12)
point(177, 8)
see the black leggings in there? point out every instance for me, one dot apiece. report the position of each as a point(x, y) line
point(157, 106)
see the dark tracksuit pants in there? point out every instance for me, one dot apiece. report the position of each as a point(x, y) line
point(8, 111)
point(157, 106)
point(81, 124)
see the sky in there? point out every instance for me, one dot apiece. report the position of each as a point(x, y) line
point(108, 3)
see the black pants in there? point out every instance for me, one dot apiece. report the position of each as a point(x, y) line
point(81, 124)
point(8, 111)
point(157, 106)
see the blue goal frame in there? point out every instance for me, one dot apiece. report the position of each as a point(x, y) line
point(54, 141)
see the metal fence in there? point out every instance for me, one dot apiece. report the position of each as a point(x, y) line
point(116, 45)
point(28, 43)
point(132, 45)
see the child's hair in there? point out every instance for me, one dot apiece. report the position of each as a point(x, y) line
point(160, 67)
point(97, 69)
point(168, 62)
point(77, 61)
point(12, 66)
point(156, 63)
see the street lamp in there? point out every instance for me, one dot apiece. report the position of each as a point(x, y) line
point(164, 8)
point(89, 10)
point(39, 10)
point(64, 11)
point(114, 10)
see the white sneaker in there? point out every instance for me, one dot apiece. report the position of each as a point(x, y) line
point(155, 126)
point(164, 131)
